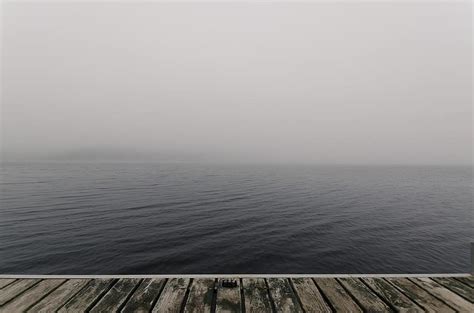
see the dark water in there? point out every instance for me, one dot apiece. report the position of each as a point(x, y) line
point(162, 218)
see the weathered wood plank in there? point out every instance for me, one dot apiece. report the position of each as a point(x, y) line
point(94, 289)
point(309, 295)
point(200, 296)
point(31, 296)
point(58, 297)
point(256, 295)
point(419, 295)
point(116, 296)
point(282, 296)
point(457, 287)
point(143, 298)
point(5, 282)
point(228, 298)
point(439, 294)
point(392, 295)
point(172, 296)
point(369, 301)
point(337, 295)
point(449, 297)
point(466, 280)
point(16, 288)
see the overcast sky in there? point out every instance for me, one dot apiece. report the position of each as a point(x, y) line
point(360, 82)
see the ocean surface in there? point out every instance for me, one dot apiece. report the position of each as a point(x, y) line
point(59, 218)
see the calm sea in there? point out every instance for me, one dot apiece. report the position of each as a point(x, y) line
point(181, 218)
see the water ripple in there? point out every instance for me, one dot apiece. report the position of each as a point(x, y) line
point(158, 218)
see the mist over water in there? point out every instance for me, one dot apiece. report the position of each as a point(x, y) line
point(134, 109)
point(94, 218)
point(269, 82)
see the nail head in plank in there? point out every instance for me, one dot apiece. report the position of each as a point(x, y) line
point(366, 298)
point(94, 289)
point(32, 295)
point(6, 281)
point(172, 296)
point(392, 295)
point(256, 295)
point(228, 298)
point(200, 296)
point(337, 295)
point(143, 298)
point(282, 296)
point(116, 296)
point(58, 297)
point(309, 295)
point(457, 287)
point(16, 288)
point(452, 299)
point(419, 295)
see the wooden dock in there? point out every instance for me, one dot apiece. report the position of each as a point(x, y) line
point(344, 293)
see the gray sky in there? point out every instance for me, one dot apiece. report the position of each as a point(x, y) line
point(361, 82)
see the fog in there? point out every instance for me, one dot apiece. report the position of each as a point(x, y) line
point(359, 83)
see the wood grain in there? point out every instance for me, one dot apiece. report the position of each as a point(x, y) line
point(172, 296)
point(200, 296)
point(469, 281)
point(419, 295)
point(13, 290)
point(309, 295)
point(452, 299)
point(256, 295)
point(92, 292)
point(143, 298)
point(60, 296)
point(337, 295)
point(116, 296)
point(365, 297)
point(5, 282)
point(282, 295)
point(251, 294)
point(392, 295)
point(31, 296)
point(456, 287)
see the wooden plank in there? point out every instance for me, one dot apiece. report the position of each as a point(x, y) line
point(94, 289)
point(392, 295)
point(309, 295)
point(116, 296)
point(58, 297)
point(467, 280)
point(228, 298)
point(369, 301)
point(444, 294)
point(143, 298)
point(5, 282)
point(337, 295)
point(172, 296)
point(32, 295)
point(439, 294)
point(283, 296)
point(16, 288)
point(419, 295)
point(256, 295)
point(457, 287)
point(200, 296)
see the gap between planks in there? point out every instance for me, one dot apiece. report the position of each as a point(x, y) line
point(361, 292)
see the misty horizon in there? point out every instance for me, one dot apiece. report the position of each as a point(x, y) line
point(129, 155)
point(236, 156)
point(312, 83)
